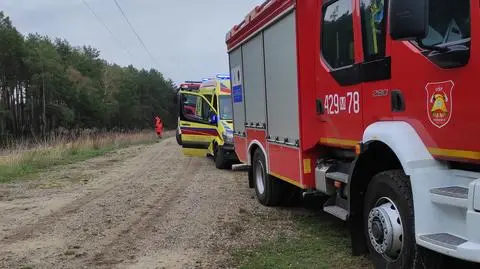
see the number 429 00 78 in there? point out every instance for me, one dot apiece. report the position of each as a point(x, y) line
point(336, 104)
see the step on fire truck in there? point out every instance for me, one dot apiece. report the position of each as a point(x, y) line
point(370, 102)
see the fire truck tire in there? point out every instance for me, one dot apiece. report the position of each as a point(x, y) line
point(269, 190)
point(389, 221)
point(251, 180)
point(292, 195)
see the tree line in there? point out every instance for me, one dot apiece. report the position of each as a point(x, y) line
point(46, 85)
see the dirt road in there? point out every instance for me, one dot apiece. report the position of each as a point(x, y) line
point(140, 207)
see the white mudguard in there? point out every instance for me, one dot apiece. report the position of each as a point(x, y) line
point(445, 218)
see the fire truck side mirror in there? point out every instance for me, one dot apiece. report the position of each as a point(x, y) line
point(408, 19)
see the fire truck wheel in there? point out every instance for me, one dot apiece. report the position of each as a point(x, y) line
point(292, 195)
point(389, 221)
point(268, 189)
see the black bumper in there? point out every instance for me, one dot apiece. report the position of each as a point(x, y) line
point(229, 152)
point(228, 147)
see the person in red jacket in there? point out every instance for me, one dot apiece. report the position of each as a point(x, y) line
point(158, 126)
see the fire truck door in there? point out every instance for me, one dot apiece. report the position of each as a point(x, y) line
point(376, 66)
point(198, 124)
point(339, 90)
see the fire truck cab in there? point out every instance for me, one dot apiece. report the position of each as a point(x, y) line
point(369, 102)
point(206, 121)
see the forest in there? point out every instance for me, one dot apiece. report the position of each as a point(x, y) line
point(47, 85)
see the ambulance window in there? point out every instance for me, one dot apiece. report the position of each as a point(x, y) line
point(191, 107)
point(196, 109)
point(337, 35)
point(206, 110)
point(208, 96)
point(373, 28)
point(214, 102)
point(226, 107)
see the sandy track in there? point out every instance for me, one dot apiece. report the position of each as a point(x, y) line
point(141, 207)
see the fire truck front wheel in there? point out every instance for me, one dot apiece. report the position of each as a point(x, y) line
point(269, 190)
point(389, 221)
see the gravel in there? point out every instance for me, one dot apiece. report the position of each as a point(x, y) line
point(140, 207)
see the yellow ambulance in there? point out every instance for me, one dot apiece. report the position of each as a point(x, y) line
point(206, 121)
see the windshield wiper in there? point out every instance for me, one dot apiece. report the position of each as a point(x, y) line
point(446, 47)
point(433, 47)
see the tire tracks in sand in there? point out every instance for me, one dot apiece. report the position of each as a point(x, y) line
point(153, 209)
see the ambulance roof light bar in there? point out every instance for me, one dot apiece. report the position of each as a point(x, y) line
point(219, 77)
point(192, 82)
point(189, 86)
point(223, 77)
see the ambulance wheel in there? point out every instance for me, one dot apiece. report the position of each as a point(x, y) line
point(219, 157)
point(389, 225)
point(178, 136)
point(269, 190)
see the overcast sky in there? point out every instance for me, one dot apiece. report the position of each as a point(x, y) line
point(186, 37)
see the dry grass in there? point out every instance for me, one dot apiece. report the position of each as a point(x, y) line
point(18, 162)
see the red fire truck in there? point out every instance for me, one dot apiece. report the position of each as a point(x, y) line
point(369, 102)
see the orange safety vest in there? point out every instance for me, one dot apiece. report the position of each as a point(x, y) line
point(158, 125)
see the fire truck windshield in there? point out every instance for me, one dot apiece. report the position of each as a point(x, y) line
point(226, 110)
point(449, 22)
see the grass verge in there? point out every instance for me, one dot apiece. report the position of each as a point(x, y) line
point(323, 242)
point(22, 163)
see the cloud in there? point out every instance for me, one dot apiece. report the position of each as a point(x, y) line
point(186, 37)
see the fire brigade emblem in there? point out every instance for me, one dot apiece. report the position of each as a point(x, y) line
point(439, 102)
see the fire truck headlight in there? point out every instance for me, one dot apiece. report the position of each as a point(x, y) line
point(228, 137)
